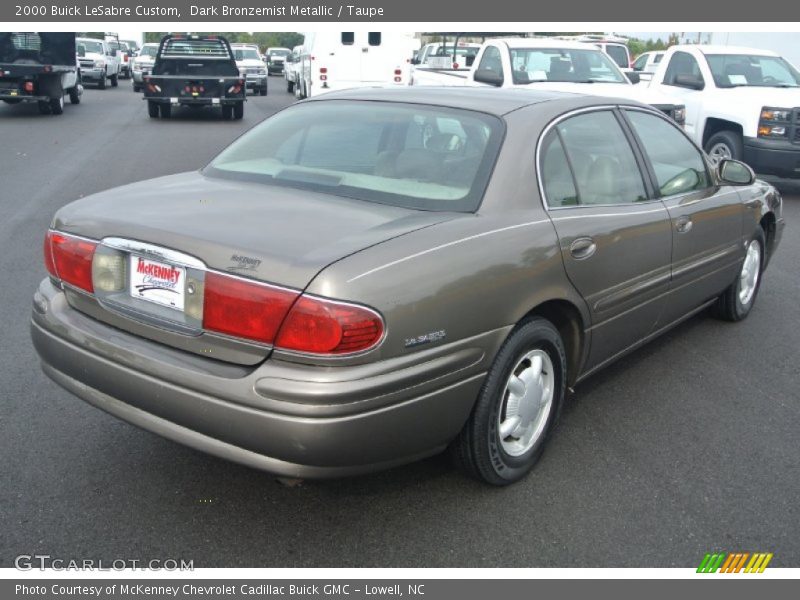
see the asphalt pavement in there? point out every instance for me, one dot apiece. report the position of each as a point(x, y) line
point(691, 445)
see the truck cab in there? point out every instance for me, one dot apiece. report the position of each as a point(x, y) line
point(741, 103)
point(99, 62)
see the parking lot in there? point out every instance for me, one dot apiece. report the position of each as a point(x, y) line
point(688, 446)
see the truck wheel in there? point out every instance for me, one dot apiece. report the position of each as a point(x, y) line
point(152, 109)
point(101, 85)
point(74, 95)
point(517, 406)
point(724, 144)
point(57, 105)
point(289, 86)
point(238, 110)
point(166, 111)
point(44, 107)
point(114, 80)
point(263, 91)
point(137, 88)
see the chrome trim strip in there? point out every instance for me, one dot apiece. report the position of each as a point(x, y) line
point(145, 249)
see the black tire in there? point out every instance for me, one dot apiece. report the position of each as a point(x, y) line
point(166, 110)
point(152, 109)
point(238, 110)
point(57, 105)
point(137, 88)
point(289, 87)
point(227, 112)
point(729, 306)
point(477, 450)
point(730, 140)
point(44, 107)
point(101, 85)
point(74, 95)
point(263, 91)
point(114, 80)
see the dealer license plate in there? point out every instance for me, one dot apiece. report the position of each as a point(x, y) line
point(157, 282)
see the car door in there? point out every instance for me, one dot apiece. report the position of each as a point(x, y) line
point(707, 219)
point(614, 238)
point(684, 80)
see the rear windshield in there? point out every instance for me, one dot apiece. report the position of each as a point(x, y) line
point(245, 54)
point(149, 51)
point(414, 156)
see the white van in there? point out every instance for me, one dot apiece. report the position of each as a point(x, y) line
point(341, 60)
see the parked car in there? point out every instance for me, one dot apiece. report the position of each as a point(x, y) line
point(550, 64)
point(741, 103)
point(374, 276)
point(251, 67)
point(647, 63)
point(334, 60)
point(195, 71)
point(142, 65)
point(98, 63)
point(276, 58)
point(39, 67)
point(292, 65)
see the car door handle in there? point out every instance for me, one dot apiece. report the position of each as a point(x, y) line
point(683, 224)
point(582, 248)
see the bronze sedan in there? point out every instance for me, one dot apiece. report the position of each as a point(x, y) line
point(375, 276)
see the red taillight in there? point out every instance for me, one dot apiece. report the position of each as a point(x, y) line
point(28, 87)
point(243, 308)
point(70, 259)
point(323, 69)
point(322, 326)
point(126, 58)
point(398, 72)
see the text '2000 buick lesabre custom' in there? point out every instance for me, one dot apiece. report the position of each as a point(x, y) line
point(379, 275)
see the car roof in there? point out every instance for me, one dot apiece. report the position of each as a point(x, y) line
point(494, 101)
point(516, 42)
point(716, 49)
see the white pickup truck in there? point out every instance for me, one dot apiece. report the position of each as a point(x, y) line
point(741, 103)
point(552, 64)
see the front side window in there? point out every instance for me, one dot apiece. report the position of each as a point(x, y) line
point(529, 65)
point(491, 60)
point(737, 70)
point(679, 167)
point(414, 156)
point(602, 161)
point(682, 63)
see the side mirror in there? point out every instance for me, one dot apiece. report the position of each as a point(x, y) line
point(735, 172)
point(633, 77)
point(488, 76)
point(415, 61)
point(693, 82)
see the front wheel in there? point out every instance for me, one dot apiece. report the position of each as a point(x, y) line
point(74, 95)
point(736, 302)
point(289, 86)
point(263, 90)
point(152, 109)
point(114, 80)
point(238, 110)
point(724, 144)
point(57, 105)
point(227, 112)
point(101, 85)
point(517, 406)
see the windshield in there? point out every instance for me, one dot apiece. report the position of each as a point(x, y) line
point(278, 52)
point(734, 70)
point(90, 46)
point(149, 51)
point(563, 64)
point(414, 156)
point(619, 54)
point(246, 54)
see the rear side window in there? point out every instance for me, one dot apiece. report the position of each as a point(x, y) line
point(559, 187)
point(374, 38)
point(348, 38)
point(602, 161)
point(678, 165)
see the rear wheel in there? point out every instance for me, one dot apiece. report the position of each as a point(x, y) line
point(736, 302)
point(152, 109)
point(238, 110)
point(44, 107)
point(74, 95)
point(724, 144)
point(102, 83)
point(137, 88)
point(166, 111)
point(114, 80)
point(289, 86)
point(227, 112)
point(517, 406)
point(57, 105)
point(263, 91)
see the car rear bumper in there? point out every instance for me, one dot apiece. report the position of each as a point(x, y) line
point(187, 100)
point(773, 157)
point(290, 419)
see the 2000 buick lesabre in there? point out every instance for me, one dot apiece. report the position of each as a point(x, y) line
point(369, 278)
